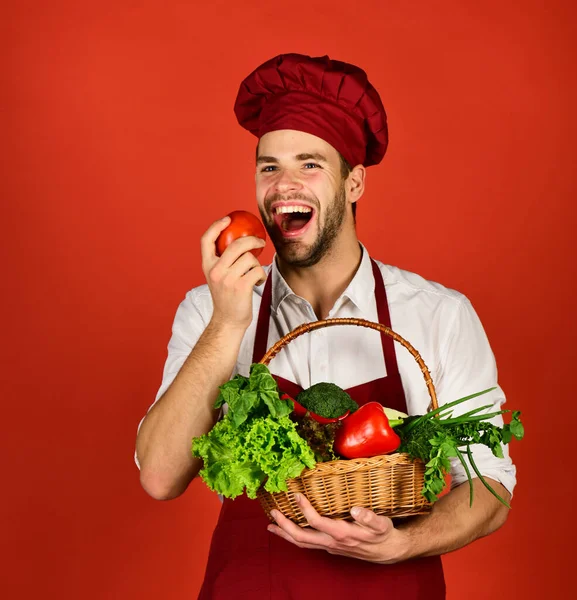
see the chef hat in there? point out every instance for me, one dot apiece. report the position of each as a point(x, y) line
point(327, 98)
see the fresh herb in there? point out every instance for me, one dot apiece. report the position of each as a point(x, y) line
point(436, 440)
point(327, 400)
point(255, 441)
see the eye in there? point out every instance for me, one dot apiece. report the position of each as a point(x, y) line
point(268, 169)
point(314, 165)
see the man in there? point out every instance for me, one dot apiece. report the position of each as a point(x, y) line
point(320, 123)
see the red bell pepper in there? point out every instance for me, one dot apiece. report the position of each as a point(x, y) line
point(365, 433)
point(301, 411)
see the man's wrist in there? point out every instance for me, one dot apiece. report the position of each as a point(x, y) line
point(227, 329)
point(398, 548)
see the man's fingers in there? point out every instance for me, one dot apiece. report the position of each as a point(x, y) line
point(207, 241)
point(312, 516)
point(301, 535)
point(256, 276)
point(243, 265)
point(232, 253)
point(337, 529)
point(371, 521)
point(245, 270)
point(239, 247)
point(283, 534)
point(248, 270)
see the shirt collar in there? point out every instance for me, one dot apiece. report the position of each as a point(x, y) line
point(280, 288)
point(360, 290)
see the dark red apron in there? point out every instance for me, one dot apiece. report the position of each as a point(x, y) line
point(246, 561)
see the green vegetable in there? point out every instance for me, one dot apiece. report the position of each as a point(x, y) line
point(255, 441)
point(327, 400)
point(319, 436)
point(254, 396)
point(262, 448)
point(436, 440)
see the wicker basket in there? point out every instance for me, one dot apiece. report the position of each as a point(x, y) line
point(389, 485)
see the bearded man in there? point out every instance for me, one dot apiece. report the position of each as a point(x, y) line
point(320, 124)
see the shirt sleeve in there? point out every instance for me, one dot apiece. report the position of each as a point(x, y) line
point(468, 366)
point(187, 328)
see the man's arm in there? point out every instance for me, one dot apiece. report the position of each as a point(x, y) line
point(452, 524)
point(163, 444)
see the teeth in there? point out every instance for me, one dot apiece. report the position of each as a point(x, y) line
point(292, 209)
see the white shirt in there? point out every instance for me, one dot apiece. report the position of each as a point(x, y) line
point(440, 323)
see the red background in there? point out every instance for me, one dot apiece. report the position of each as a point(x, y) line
point(120, 147)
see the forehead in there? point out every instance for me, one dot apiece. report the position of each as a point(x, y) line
point(287, 143)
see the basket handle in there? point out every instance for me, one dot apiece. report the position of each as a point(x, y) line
point(306, 327)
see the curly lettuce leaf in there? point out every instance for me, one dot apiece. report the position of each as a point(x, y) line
point(242, 457)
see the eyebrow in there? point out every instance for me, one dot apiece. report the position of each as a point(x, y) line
point(271, 159)
point(315, 156)
point(266, 159)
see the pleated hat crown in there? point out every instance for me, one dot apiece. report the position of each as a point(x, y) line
point(327, 98)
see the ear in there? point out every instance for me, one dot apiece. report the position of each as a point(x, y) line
point(356, 183)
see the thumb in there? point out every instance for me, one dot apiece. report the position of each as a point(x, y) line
point(368, 519)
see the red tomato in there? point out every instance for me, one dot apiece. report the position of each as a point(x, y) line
point(242, 224)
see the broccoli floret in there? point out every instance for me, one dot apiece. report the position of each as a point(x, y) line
point(327, 400)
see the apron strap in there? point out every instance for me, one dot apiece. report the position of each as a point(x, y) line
point(385, 319)
point(262, 324)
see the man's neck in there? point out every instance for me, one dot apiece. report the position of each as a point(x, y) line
point(323, 283)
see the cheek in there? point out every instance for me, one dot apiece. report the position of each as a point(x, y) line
point(261, 192)
point(263, 186)
point(320, 185)
point(265, 194)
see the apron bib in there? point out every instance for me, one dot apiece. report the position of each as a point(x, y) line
point(246, 561)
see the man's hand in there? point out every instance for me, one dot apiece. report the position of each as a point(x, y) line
point(231, 277)
point(370, 537)
point(451, 524)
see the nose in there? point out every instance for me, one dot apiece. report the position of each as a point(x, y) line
point(287, 182)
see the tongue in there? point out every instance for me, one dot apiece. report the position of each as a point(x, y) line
point(294, 223)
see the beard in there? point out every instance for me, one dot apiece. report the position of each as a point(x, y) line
point(295, 253)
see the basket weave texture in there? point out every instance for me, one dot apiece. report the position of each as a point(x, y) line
point(389, 485)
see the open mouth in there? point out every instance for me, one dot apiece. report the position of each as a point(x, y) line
point(293, 219)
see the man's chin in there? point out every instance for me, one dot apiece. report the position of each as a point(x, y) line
point(291, 251)
point(298, 255)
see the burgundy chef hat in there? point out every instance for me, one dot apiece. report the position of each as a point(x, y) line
point(327, 98)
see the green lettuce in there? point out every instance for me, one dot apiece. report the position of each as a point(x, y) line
point(255, 441)
point(262, 448)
